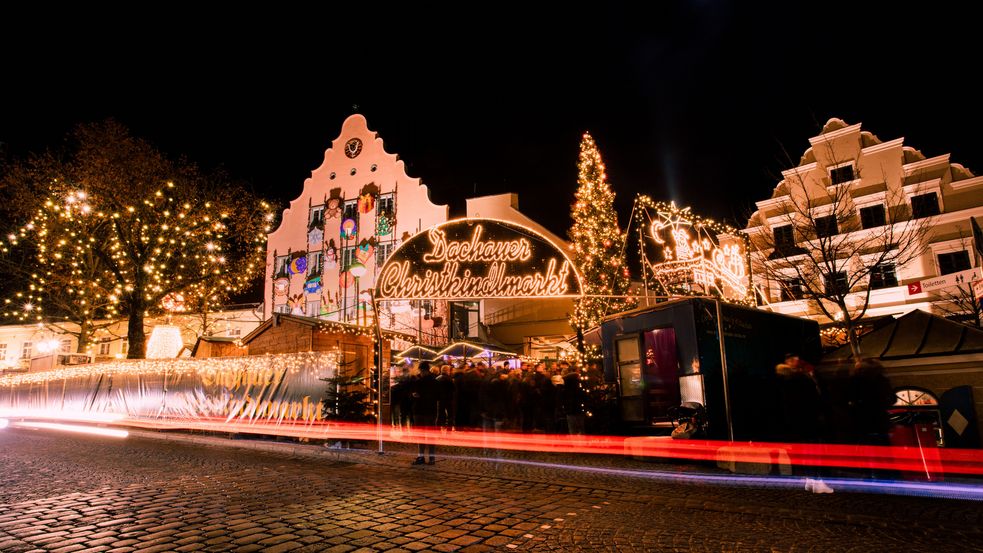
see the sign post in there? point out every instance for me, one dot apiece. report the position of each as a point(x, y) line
point(945, 281)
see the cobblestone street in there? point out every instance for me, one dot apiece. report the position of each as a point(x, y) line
point(67, 493)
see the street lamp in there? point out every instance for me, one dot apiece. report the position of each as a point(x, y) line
point(358, 270)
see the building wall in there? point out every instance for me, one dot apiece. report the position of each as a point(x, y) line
point(356, 171)
point(887, 173)
point(110, 343)
point(939, 376)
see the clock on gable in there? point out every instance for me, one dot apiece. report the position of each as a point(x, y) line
point(353, 147)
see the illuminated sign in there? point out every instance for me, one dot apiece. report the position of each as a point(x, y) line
point(688, 254)
point(473, 259)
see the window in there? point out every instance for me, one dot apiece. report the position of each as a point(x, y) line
point(791, 289)
point(385, 207)
point(313, 308)
point(841, 174)
point(924, 205)
point(883, 276)
point(280, 267)
point(282, 308)
point(383, 251)
point(836, 283)
point(351, 210)
point(125, 347)
point(317, 217)
point(104, 348)
point(826, 226)
point(235, 332)
point(314, 264)
point(872, 216)
point(347, 257)
point(3, 351)
point(784, 238)
point(953, 262)
point(27, 350)
point(66, 346)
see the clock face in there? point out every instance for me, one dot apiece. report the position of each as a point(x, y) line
point(353, 147)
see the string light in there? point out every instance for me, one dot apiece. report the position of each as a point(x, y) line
point(92, 262)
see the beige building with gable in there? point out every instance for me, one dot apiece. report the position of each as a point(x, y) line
point(883, 180)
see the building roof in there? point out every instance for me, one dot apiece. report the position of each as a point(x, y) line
point(915, 334)
point(317, 324)
point(212, 339)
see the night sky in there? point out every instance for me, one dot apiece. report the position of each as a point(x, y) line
point(692, 101)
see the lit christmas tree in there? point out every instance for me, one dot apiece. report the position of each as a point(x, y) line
point(122, 224)
point(598, 244)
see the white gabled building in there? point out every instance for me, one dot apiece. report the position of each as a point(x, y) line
point(883, 178)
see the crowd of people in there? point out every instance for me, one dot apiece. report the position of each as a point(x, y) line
point(476, 396)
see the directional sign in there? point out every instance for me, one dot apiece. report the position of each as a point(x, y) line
point(944, 281)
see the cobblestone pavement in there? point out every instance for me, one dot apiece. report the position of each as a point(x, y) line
point(68, 493)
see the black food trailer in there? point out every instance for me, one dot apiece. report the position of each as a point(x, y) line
point(670, 353)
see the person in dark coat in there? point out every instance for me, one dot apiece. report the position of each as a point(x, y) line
point(446, 414)
point(426, 405)
point(801, 402)
point(801, 414)
point(573, 399)
point(870, 397)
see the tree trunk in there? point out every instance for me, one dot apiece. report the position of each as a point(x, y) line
point(85, 336)
point(851, 334)
point(135, 333)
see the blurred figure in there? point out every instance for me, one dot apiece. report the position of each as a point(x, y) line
point(573, 399)
point(801, 413)
point(870, 397)
point(445, 413)
point(426, 405)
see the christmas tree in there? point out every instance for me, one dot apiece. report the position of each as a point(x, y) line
point(598, 244)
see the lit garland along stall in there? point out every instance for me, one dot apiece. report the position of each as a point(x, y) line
point(670, 353)
point(217, 393)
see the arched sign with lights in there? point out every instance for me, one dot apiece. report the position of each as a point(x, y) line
point(474, 259)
